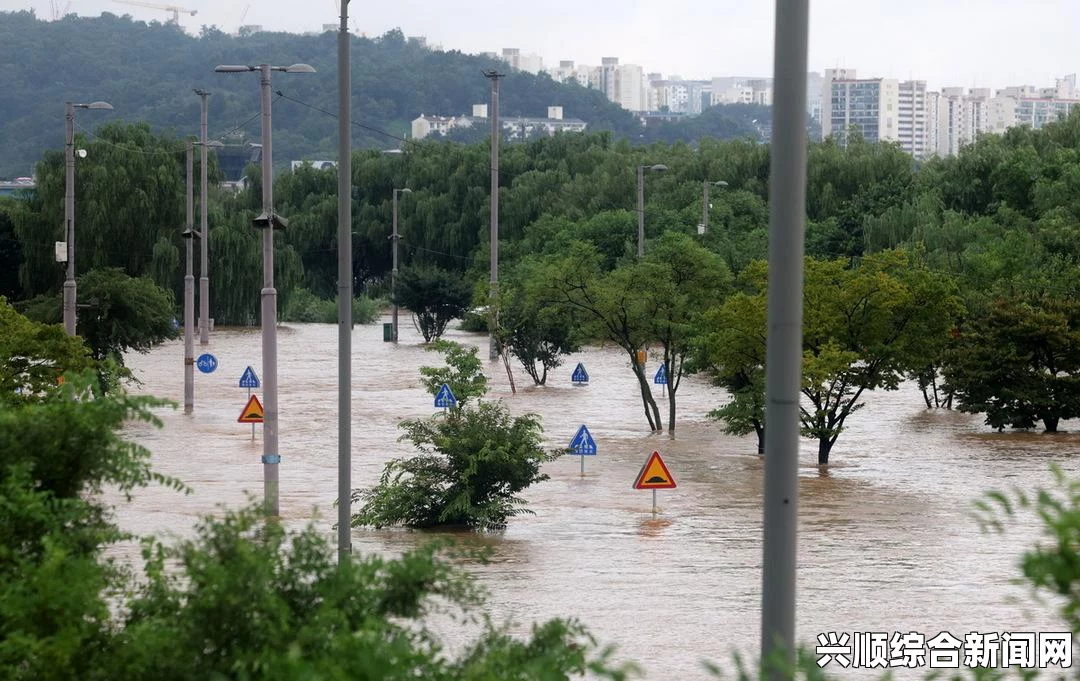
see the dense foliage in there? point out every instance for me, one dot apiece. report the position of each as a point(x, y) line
point(473, 464)
point(241, 598)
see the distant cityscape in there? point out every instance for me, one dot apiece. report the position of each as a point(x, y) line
point(925, 123)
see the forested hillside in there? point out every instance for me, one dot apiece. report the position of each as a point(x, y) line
point(148, 71)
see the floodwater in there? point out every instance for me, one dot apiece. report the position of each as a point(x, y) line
point(887, 540)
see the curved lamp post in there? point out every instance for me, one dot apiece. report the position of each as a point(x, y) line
point(268, 221)
point(657, 168)
point(69, 207)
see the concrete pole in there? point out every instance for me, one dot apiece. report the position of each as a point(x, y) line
point(705, 206)
point(640, 211)
point(493, 322)
point(204, 235)
point(69, 216)
point(394, 270)
point(271, 457)
point(345, 289)
point(787, 189)
point(189, 291)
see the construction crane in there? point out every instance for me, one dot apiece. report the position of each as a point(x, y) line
point(168, 8)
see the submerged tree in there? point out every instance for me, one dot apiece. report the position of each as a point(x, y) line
point(434, 296)
point(1019, 364)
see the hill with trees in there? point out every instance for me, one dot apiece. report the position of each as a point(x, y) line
point(148, 71)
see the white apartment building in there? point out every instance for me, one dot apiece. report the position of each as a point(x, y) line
point(532, 63)
point(676, 95)
point(963, 115)
point(728, 90)
point(516, 127)
point(912, 123)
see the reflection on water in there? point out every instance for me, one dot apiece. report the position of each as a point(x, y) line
point(886, 539)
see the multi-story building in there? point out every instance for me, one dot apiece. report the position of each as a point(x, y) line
point(516, 127)
point(963, 115)
point(532, 63)
point(870, 107)
point(675, 95)
point(912, 123)
point(728, 90)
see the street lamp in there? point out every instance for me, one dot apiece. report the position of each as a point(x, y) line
point(204, 268)
point(268, 221)
point(705, 202)
point(189, 290)
point(394, 268)
point(69, 207)
point(659, 167)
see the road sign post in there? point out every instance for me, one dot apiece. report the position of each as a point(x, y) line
point(580, 376)
point(207, 363)
point(444, 399)
point(250, 380)
point(583, 445)
point(660, 378)
point(654, 475)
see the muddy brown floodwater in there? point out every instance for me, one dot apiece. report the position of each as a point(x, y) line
point(887, 541)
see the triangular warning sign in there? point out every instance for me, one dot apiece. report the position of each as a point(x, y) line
point(253, 412)
point(654, 475)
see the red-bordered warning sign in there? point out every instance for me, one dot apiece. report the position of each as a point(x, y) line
point(655, 475)
point(253, 412)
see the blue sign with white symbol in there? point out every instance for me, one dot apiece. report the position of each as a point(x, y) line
point(583, 442)
point(206, 363)
point(580, 375)
point(445, 397)
point(661, 375)
point(249, 379)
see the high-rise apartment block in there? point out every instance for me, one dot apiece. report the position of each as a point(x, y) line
point(927, 123)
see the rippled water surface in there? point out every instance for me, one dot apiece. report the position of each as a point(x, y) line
point(886, 537)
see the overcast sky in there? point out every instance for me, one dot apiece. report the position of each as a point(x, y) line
point(984, 43)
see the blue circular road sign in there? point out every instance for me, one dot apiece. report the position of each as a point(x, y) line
point(206, 363)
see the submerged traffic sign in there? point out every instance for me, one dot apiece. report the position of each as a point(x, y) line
point(206, 363)
point(445, 397)
point(249, 379)
point(583, 442)
point(580, 375)
point(654, 475)
point(253, 411)
point(661, 375)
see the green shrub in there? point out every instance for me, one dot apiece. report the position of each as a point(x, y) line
point(306, 308)
point(473, 462)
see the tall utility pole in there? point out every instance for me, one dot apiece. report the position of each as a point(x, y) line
point(658, 168)
point(394, 267)
point(783, 354)
point(268, 221)
point(189, 290)
point(493, 317)
point(345, 289)
point(69, 216)
point(204, 235)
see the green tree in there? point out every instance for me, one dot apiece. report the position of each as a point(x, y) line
point(1019, 363)
point(33, 356)
point(434, 296)
point(613, 305)
point(683, 281)
point(463, 372)
point(538, 335)
point(730, 348)
point(863, 330)
point(473, 463)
